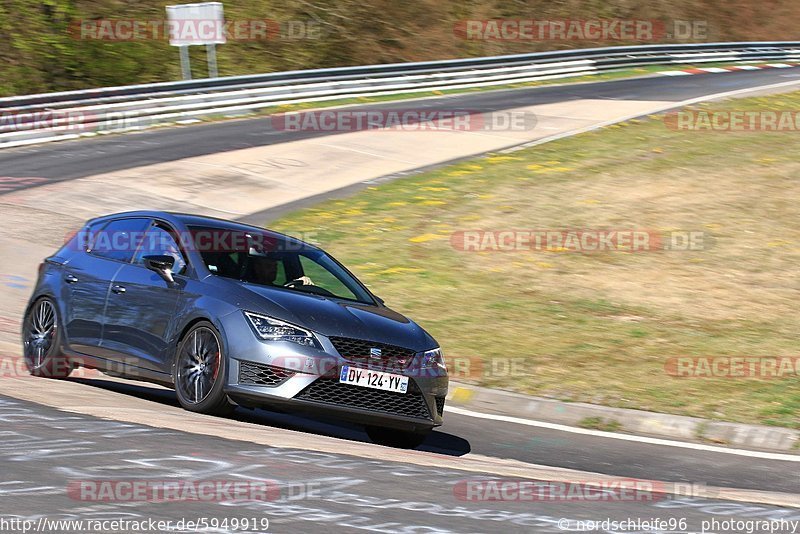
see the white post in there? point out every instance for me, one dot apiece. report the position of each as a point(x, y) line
point(211, 55)
point(186, 68)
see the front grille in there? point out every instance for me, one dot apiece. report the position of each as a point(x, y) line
point(439, 405)
point(328, 391)
point(358, 350)
point(258, 374)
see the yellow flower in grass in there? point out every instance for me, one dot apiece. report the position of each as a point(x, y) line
point(779, 243)
point(400, 270)
point(500, 159)
point(425, 237)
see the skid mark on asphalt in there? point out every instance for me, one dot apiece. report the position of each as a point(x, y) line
point(12, 183)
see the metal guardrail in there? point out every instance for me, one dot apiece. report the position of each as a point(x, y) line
point(47, 117)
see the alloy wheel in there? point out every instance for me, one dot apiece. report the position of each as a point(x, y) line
point(198, 364)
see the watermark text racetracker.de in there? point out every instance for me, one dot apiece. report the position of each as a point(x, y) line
point(596, 30)
point(190, 490)
point(612, 490)
point(410, 120)
point(458, 367)
point(70, 121)
point(733, 367)
point(199, 240)
point(191, 30)
point(741, 120)
point(601, 489)
point(585, 240)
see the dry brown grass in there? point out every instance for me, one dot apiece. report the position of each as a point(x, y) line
point(600, 327)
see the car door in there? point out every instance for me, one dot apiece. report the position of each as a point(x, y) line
point(141, 307)
point(87, 280)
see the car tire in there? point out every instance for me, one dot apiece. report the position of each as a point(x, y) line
point(201, 355)
point(42, 341)
point(401, 439)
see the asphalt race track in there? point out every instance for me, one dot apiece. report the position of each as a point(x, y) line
point(463, 434)
point(49, 453)
point(76, 159)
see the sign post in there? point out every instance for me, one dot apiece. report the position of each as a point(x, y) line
point(197, 24)
point(211, 57)
point(186, 68)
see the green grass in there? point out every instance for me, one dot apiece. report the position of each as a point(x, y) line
point(598, 423)
point(599, 327)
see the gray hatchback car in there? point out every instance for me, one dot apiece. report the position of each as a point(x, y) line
point(229, 314)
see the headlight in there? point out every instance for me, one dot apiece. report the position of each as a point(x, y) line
point(433, 358)
point(272, 329)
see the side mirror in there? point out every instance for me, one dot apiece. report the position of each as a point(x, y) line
point(161, 265)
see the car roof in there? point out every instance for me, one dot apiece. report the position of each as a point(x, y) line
point(189, 219)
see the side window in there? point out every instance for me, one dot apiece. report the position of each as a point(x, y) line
point(158, 241)
point(322, 277)
point(119, 239)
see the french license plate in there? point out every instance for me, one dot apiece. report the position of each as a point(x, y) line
point(373, 379)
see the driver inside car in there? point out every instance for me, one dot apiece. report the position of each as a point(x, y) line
point(265, 270)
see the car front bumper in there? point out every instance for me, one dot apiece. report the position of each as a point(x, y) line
point(291, 377)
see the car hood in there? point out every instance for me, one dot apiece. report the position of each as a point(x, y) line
point(333, 317)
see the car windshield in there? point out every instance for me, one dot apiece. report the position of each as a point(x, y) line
point(269, 260)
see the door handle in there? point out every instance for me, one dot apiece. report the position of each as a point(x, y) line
point(118, 289)
point(70, 278)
